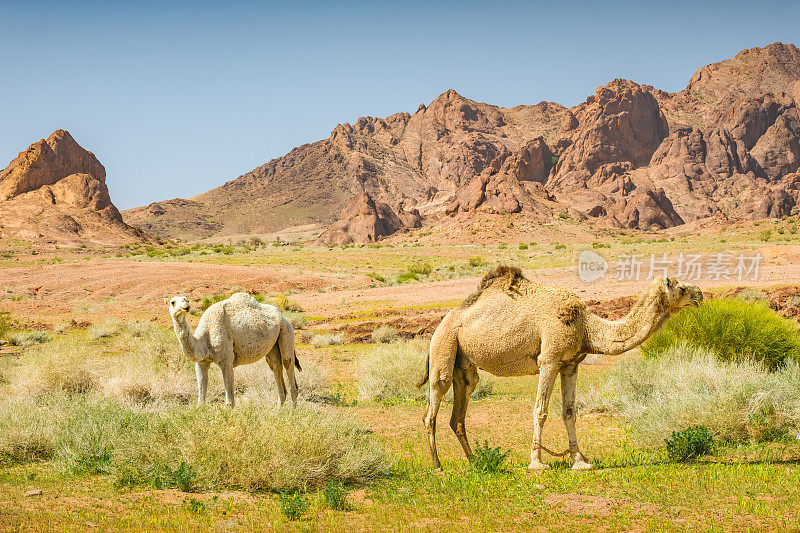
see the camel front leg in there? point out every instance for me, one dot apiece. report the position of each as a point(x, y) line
point(547, 378)
point(227, 379)
point(201, 370)
point(569, 380)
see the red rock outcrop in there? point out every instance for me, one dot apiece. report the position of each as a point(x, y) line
point(629, 156)
point(364, 220)
point(55, 191)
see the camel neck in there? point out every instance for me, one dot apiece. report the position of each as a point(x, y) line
point(647, 315)
point(188, 342)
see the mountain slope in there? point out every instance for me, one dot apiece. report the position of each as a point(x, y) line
point(629, 156)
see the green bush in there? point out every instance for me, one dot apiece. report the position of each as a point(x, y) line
point(336, 495)
point(690, 443)
point(488, 459)
point(420, 268)
point(523, 246)
point(406, 277)
point(293, 505)
point(734, 330)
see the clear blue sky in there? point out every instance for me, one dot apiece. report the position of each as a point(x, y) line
point(177, 99)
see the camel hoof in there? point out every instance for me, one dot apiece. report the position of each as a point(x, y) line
point(537, 467)
point(582, 465)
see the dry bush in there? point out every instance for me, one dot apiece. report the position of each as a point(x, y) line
point(30, 338)
point(389, 373)
point(327, 339)
point(103, 330)
point(60, 327)
point(297, 320)
point(61, 367)
point(688, 386)
point(383, 334)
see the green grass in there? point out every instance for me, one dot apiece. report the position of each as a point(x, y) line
point(734, 329)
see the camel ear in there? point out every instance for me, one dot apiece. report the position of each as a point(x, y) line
point(166, 301)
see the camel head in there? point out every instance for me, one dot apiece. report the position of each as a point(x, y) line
point(680, 295)
point(178, 306)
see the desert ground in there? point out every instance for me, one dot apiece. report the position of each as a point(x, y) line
point(88, 298)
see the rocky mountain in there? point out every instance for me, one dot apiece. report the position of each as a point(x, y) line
point(55, 191)
point(630, 156)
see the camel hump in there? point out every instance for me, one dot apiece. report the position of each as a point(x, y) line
point(243, 298)
point(506, 278)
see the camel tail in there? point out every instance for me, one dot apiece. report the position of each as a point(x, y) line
point(297, 362)
point(424, 380)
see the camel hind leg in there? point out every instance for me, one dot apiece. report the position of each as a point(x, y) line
point(464, 382)
point(274, 362)
point(286, 345)
point(441, 362)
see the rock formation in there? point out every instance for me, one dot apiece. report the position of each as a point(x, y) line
point(630, 156)
point(56, 191)
point(364, 221)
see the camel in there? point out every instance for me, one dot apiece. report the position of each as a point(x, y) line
point(237, 331)
point(514, 327)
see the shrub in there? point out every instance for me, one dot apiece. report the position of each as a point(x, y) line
point(293, 505)
point(30, 338)
point(734, 330)
point(686, 386)
point(104, 330)
point(765, 235)
point(336, 495)
point(561, 246)
point(183, 478)
point(420, 268)
point(406, 277)
point(690, 443)
point(297, 320)
point(488, 459)
point(327, 339)
point(523, 246)
point(62, 368)
point(753, 295)
point(383, 334)
point(284, 303)
point(389, 373)
point(477, 261)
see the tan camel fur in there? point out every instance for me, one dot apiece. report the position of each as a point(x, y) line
point(514, 327)
point(233, 332)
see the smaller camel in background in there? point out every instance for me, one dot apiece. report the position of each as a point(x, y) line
point(514, 327)
point(237, 331)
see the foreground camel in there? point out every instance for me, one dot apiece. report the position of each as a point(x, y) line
point(233, 332)
point(514, 327)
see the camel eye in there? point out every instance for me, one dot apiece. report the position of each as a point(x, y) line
point(172, 303)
